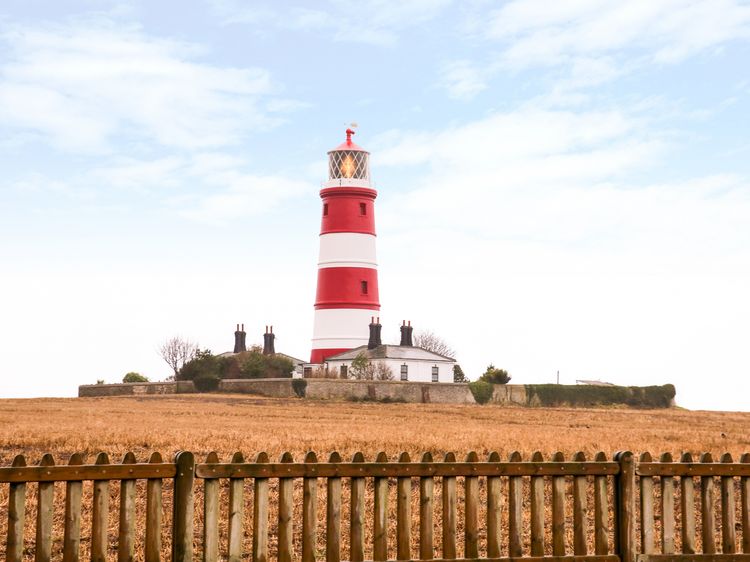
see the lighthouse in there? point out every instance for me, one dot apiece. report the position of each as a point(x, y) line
point(346, 300)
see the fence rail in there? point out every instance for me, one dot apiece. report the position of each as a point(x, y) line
point(555, 510)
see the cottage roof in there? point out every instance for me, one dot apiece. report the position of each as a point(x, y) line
point(283, 355)
point(401, 352)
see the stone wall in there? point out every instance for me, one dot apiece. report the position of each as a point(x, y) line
point(389, 391)
point(376, 391)
point(316, 389)
point(505, 394)
point(136, 388)
point(274, 388)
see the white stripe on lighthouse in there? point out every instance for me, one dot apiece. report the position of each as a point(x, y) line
point(347, 249)
point(338, 328)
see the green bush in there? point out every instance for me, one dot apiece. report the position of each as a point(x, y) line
point(590, 395)
point(495, 376)
point(203, 364)
point(482, 391)
point(300, 387)
point(254, 365)
point(206, 383)
point(134, 377)
point(458, 374)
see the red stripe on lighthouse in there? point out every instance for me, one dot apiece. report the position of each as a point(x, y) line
point(348, 209)
point(320, 355)
point(347, 287)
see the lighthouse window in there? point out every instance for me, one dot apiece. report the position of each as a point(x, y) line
point(349, 164)
point(404, 372)
point(363, 285)
point(363, 209)
point(325, 209)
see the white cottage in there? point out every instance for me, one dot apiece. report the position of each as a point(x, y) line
point(405, 361)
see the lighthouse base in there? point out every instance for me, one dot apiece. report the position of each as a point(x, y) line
point(319, 356)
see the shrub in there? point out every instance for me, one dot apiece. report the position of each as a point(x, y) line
point(495, 376)
point(134, 377)
point(383, 372)
point(458, 374)
point(361, 368)
point(206, 383)
point(203, 364)
point(590, 395)
point(481, 390)
point(254, 365)
point(99, 381)
point(300, 387)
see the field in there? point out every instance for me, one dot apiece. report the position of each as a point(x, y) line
point(227, 423)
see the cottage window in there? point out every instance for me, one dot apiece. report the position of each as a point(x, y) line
point(344, 371)
point(404, 372)
point(307, 372)
point(435, 372)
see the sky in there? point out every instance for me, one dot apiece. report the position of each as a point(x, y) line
point(563, 187)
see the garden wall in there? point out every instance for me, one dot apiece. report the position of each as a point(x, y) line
point(412, 392)
point(136, 388)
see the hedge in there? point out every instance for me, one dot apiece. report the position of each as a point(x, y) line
point(482, 391)
point(590, 395)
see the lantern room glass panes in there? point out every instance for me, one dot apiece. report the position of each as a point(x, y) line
point(349, 164)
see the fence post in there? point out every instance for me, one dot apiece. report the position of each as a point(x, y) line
point(625, 507)
point(182, 519)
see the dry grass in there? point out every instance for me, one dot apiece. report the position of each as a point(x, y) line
point(229, 423)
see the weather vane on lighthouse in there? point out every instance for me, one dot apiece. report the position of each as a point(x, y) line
point(350, 131)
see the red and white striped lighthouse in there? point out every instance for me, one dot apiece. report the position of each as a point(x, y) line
point(347, 294)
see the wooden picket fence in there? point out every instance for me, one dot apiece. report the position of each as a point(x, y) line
point(487, 509)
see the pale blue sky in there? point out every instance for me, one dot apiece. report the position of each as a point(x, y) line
point(562, 185)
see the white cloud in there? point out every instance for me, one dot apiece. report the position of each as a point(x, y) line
point(585, 43)
point(209, 187)
point(562, 179)
point(242, 195)
point(376, 22)
point(462, 79)
point(79, 84)
point(541, 33)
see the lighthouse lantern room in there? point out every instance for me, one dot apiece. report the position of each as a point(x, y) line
point(347, 292)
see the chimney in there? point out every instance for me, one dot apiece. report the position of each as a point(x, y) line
point(406, 334)
point(375, 328)
point(268, 345)
point(239, 339)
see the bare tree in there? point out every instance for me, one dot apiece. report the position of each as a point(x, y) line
point(177, 351)
point(383, 372)
point(432, 342)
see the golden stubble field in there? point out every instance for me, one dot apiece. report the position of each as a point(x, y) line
point(229, 423)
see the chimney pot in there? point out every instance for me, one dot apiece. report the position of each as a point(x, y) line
point(268, 343)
